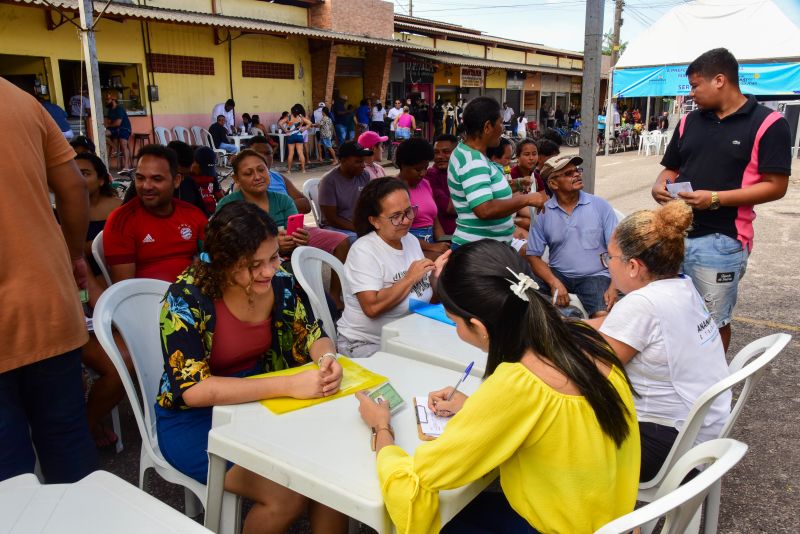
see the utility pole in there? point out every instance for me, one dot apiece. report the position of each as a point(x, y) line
point(610, 107)
point(93, 77)
point(410, 8)
point(590, 90)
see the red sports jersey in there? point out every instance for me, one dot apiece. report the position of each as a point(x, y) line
point(161, 247)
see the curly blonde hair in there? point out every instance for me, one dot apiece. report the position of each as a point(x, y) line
point(655, 237)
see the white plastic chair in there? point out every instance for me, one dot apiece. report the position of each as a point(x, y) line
point(311, 192)
point(183, 134)
point(652, 142)
point(307, 268)
point(208, 140)
point(163, 135)
point(133, 307)
point(197, 132)
point(100, 257)
point(680, 504)
point(747, 366)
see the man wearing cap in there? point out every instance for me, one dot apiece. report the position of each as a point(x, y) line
point(372, 164)
point(339, 189)
point(576, 227)
point(227, 111)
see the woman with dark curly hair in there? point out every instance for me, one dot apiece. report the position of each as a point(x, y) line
point(232, 314)
point(385, 267)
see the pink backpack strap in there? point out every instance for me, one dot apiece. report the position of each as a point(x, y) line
point(682, 126)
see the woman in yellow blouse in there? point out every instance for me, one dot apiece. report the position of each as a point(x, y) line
point(555, 414)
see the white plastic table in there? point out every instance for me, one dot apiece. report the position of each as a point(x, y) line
point(427, 340)
point(281, 142)
point(99, 503)
point(237, 140)
point(323, 452)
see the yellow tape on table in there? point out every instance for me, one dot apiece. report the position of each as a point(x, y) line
point(354, 378)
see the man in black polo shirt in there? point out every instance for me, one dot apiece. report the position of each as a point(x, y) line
point(735, 154)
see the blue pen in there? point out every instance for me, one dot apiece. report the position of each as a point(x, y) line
point(466, 374)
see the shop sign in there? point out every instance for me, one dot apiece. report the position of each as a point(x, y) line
point(515, 81)
point(419, 72)
point(471, 77)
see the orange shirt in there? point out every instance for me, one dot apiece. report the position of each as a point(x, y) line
point(40, 312)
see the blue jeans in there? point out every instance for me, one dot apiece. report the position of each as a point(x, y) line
point(345, 133)
point(425, 233)
point(488, 513)
point(42, 405)
point(716, 263)
point(227, 147)
point(351, 235)
point(590, 290)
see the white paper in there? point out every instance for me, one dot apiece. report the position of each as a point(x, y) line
point(430, 423)
point(679, 187)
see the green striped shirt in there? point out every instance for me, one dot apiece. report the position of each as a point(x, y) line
point(473, 180)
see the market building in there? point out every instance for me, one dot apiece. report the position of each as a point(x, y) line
point(171, 61)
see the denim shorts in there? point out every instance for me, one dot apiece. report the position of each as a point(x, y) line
point(590, 290)
point(424, 233)
point(716, 263)
point(327, 142)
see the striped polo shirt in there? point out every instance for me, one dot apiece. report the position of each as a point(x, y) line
point(473, 180)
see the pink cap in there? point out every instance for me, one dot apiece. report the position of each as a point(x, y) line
point(370, 139)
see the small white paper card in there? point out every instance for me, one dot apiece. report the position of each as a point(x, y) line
point(679, 187)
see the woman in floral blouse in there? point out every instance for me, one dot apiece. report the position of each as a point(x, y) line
point(232, 314)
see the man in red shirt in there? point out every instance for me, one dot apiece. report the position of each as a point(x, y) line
point(153, 235)
point(436, 175)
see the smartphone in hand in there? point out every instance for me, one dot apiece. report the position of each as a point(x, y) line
point(294, 222)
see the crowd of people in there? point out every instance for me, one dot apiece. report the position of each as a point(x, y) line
point(502, 248)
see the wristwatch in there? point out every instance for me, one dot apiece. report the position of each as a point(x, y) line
point(376, 429)
point(714, 201)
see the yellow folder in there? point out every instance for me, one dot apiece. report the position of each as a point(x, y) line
point(354, 378)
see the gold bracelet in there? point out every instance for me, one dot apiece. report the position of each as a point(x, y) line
point(376, 429)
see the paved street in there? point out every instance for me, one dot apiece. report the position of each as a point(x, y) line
point(760, 495)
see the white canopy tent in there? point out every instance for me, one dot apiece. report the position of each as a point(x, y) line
point(753, 30)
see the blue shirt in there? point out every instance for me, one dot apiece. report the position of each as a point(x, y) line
point(59, 115)
point(362, 112)
point(277, 183)
point(575, 241)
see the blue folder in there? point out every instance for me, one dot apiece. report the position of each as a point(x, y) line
point(432, 311)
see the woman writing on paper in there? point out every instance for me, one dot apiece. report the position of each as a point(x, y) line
point(555, 414)
point(232, 314)
point(385, 267)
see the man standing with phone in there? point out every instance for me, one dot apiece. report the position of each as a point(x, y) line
point(735, 153)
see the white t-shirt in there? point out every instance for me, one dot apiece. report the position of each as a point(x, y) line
point(317, 116)
point(680, 353)
point(378, 115)
point(219, 109)
point(393, 113)
point(373, 265)
point(522, 127)
point(507, 114)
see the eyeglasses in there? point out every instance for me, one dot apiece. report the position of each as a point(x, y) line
point(573, 172)
point(605, 256)
point(397, 219)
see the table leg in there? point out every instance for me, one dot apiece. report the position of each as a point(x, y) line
point(282, 147)
point(215, 488)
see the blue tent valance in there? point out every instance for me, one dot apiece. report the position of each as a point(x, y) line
point(670, 80)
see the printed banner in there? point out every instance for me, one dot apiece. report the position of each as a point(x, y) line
point(471, 77)
point(754, 79)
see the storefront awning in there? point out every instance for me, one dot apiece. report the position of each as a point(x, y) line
point(133, 11)
point(466, 61)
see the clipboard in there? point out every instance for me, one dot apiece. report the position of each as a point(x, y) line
point(422, 414)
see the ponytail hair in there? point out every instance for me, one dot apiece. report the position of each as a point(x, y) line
point(475, 284)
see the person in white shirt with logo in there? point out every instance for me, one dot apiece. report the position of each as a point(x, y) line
point(662, 331)
point(385, 267)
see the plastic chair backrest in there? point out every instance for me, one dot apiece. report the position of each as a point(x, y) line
point(740, 371)
point(197, 132)
point(100, 257)
point(208, 140)
point(311, 192)
point(134, 307)
point(307, 268)
point(681, 503)
point(163, 135)
point(182, 134)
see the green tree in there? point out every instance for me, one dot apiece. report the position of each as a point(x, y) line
point(608, 38)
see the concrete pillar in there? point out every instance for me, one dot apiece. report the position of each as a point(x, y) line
point(377, 66)
point(323, 70)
